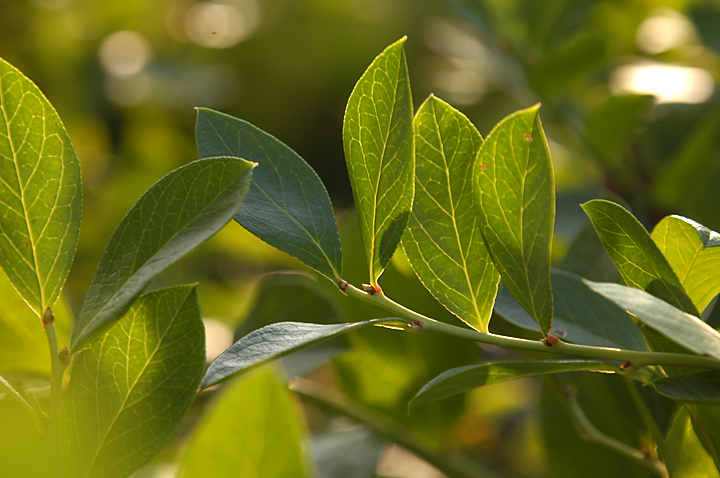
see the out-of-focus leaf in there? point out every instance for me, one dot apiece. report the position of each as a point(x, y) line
point(637, 257)
point(264, 437)
point(697, 387)
point(612, 125)
point(23, 344)
point(678, 326)
point(40, 192)
point(693, 251)
point(20, 440)
point(379, 151)
point(462, 379)
point(705, 419)
point(442, 242)
point(685, 456)
point(350, 453)
point(173, 217)
point(275, 341)
point(515, 202)
point(131, 388)
point(581, 315)
point(588, 258)
point(287, 205)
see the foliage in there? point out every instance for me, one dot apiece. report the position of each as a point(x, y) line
point(476, 219)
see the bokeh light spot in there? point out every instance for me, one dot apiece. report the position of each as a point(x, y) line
point(124, 53)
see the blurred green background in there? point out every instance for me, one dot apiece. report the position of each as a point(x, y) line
point(629, 98)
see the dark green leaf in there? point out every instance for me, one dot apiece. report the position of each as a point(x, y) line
point(275, 341)
point(254, 430)
point(379, 151)
point(705, 419)
point(173, 217)
point(131, 388)
point(685, 456)
point(678, 326)
point(515, 202)
point(287, 205)
point(697, 387)
point(462, 379)
point(40, 192)
point(637, 257)
point(352, 453)
point(442, 242)
point(693, 252)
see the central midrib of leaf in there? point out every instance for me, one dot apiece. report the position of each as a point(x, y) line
point(131, 388)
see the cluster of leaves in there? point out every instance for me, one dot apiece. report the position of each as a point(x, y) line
point(468, 211)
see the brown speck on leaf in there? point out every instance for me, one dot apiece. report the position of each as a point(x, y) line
point(528, 137)
point(482, 166)
point(27, 243)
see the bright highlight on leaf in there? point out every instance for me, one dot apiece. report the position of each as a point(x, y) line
point(40, 192)
point(442, 240)
point(514, 193)
point(131, 388)
point(287, 204)
point(173, 217)
point(379, 151)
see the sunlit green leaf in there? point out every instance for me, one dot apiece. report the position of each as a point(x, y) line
point(379, 151)
point(131, 388)
point(696, 387)
point(678, 326)
point(685, 456)
point(262, 438)
point(705, 419)
point(462, 379)
point(275, 341)
point(442, 241)
point(515, 202)
point(174, 216)
point(637, 257)
point(287, 205)
point(40, 192)
point(693, 251)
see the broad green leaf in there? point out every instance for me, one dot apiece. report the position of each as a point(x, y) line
point(254, 430)
point(442, 242)
point(379, 151)
point(685, 456)
point(173, 217)
point(350, 453)
point(678, 326)
point(515, 202)
point(588, 258)
point(287, 205)
point(705, 419)
point(131, 388)
point(693, 252)
point(275, 341)
point(637, 257)
point(696, 387)
point(581, 315)
point(40, 192)
point(462, 379)
point(23, 343)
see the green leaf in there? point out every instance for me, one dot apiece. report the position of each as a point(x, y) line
point(287, 205)
point(515, 202)
point(680, 327)
point(177, 214)
point(637, 257)
point(131, 388)
point(40, 192)
point(23, 343)
point(379, 151)
point(275, 341)
point(462, 379)
point(347, 453)
point(264, 437)
point(693, 252)
point(441, 241)
point(706, 423)
point(685, 456)
point(696, 387)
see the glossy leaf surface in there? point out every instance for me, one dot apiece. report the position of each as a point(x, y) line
point(131, 389)
point(693, 251)
point(287, 205)
point(40, 192)
point(697, 387)
point(263, 438)
point(379, 151)
point(515, 201)
point(173, 217)
point(442, 240)
point(678, 326)
point(466, 378)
